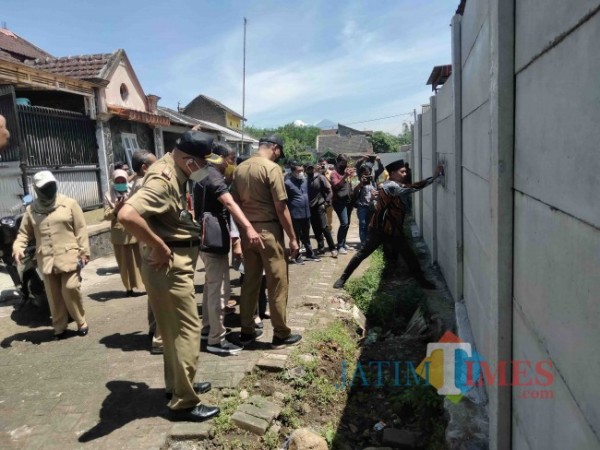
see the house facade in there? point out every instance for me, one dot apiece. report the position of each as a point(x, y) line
point(211, 110)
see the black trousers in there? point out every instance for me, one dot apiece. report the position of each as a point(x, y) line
point(393, 246)
point(302, 230)
point(318, 221)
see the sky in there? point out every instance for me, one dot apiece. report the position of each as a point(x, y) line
point(346, 61)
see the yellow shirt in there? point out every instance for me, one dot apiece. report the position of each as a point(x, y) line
point(161, 201)
point(257, 185)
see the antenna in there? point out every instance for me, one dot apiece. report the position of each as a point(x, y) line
point(244, 88)
point(4, 25)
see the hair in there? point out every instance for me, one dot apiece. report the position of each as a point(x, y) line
point(222, 149)
point(341, 157)
point(138, 159)
point(120, 164)
point(366, 167)
point(295, 164)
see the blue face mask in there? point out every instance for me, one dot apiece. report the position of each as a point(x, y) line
point(121, 187)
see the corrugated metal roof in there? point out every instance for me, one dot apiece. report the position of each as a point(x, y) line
point(182, 119)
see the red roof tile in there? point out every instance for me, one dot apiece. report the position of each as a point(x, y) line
point(19, 48)
point(85, 67)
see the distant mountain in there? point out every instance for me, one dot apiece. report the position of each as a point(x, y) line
point(326, 124)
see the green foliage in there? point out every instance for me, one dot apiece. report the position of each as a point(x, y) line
point(363, 289)
point(390, 309)
point(385, 142)
point(335, 333)
point(298, 141)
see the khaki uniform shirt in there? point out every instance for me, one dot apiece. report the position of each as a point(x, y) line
point(161, 201)
point(257, 185)
point(61, 237)
point(118, 235)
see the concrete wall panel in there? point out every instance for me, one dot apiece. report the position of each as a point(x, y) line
point(474, 16)
point(476, 287)
point(476, 73)
point(476, 142)
point(556, 285)
point(539, 22)
point(555, 423)
point(427, 219)
point(445, 100)
point(557, 132)
point(476, 207)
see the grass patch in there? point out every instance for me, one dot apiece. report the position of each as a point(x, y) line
point(387, 309)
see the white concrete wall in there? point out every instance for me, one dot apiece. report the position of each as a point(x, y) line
point(446, 192)
point(136, 98)
point(540, 242)
point(426, 194)
point(476, 172)
point(416, 173)
point(557, 219)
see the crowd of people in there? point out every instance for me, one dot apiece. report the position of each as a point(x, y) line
point(243, 209)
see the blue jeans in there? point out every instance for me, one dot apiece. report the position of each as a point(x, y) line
point(343, 211)
point(364, 217)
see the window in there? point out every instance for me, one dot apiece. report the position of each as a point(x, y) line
point(131, 145)
point(124, 92)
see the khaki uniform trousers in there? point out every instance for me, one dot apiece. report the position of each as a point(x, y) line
point(64, 298)
point(172, 297)
point(129, 260)
point(272, 259)
point(216, 293)
point(329, 212)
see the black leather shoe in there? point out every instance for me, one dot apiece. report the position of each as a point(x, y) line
point(339, 284)
point(198, 413)
point(83, 331)
point(199, 388)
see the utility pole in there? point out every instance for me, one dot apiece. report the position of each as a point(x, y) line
point(244, 88)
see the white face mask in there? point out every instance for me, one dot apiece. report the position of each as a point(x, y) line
point(299, 176)
point(199, 174)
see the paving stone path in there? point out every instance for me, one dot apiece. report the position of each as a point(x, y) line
point(105, 391)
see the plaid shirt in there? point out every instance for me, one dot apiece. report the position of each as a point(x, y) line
point(392, 205)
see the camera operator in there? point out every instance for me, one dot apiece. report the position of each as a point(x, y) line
point(342, 199)
point(365, 193)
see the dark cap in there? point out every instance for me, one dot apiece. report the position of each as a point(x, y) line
point(272, 139)
point(393, 166)
point(195, 143)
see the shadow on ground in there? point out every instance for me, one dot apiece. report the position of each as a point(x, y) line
point(35, 337)
point(107, 295)
point(127, 401)
point(105, 271)
point(130, 342)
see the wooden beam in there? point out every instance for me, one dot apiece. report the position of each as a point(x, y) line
point(24, 76)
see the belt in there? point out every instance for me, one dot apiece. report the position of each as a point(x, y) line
point(265, 221)
point(183, 244)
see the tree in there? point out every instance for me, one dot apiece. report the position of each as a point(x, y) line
point(298, 141)
point(385, 142)
point(405, 138)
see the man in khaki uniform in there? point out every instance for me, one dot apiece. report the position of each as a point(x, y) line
point(157, 216)
point(259, 189)
point(57, 224)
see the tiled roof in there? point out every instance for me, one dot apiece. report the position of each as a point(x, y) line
point(217, 103)
point(18, 47)
point(83, 67)
point(8, 57)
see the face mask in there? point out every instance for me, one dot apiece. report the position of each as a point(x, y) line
point(121, 187)
point(48, 191)
point(299, 176)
